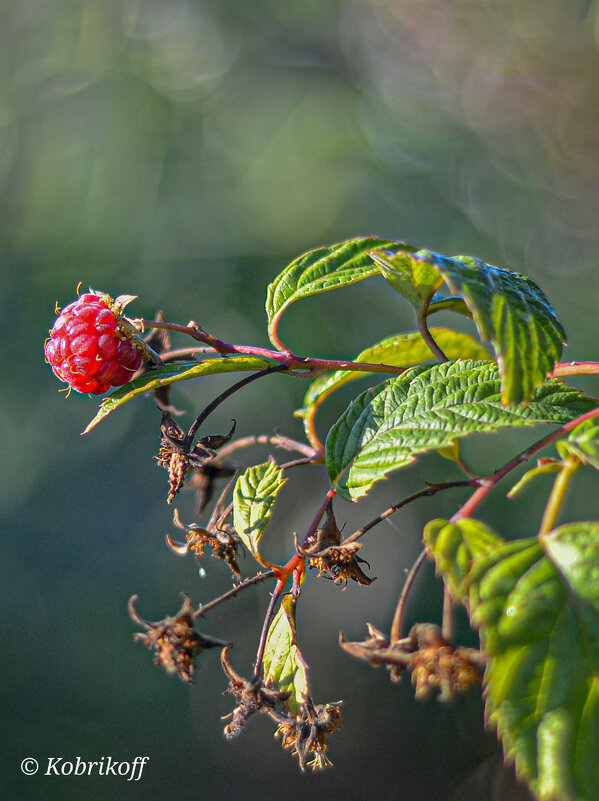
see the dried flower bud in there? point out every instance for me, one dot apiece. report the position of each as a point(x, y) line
point(178, 455)
point(307, 736)
point(334, 560)
point(174, 641)
point(435, 664)
point(251, 697)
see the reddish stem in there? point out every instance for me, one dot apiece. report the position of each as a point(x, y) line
point(290, 360)
point(487, 484)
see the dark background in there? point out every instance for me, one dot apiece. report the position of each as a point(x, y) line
point(186, 152)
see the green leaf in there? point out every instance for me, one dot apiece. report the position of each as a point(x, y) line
point(426, 408)
point(574, 549)
point(454, 545)
point(319, 271)
point(582, 444)
point(170, 374)
point(254, 499)
point(283, 664)
point(511, 312)
point(399, 350)
point(536, 604)
point(412, 277)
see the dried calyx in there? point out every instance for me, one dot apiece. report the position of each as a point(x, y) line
point(435, 664)
point(175, 642)
point(178, 454)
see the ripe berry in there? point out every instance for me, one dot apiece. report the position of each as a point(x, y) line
point(86, 348)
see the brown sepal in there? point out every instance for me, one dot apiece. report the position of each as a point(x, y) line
point(334, 560)
point(251, 696)
point(435, 664)
point(175, 642)
point(178, 455)
point(307, 736)
point(223, 543)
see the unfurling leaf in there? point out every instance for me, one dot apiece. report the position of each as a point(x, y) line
point(254, 498)
point(536, 605)
point(426, 408)
point(284, 668)
point(412, 277)
point(510, 311)
point(321, 270)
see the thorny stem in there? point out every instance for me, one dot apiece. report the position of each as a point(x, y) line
point(558, 492)
point(226, 394)
point(423, 493)
point(204, 608)
point(395, 633)
point(487, 484)
point(426, 334)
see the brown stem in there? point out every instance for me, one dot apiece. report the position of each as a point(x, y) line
point(426, 334)
point(278, 441)
point(290, 360)
point(423, 493)
point(226, 394)
point(204, 608)
point(265, 628)
point(184, 353)
point(395, 633)
point(575, 368)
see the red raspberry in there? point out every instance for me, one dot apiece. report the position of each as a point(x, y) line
point(86, 349)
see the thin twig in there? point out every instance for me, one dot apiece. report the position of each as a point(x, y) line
point(204, 608)
point(486, 484)
point(278, 441)
point(447, 620)
point(423, 493)
point(226, 394)
point(395, 633)
point(426, 334)
point(265, 628)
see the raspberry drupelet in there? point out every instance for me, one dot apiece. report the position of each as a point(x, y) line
point(86, 349)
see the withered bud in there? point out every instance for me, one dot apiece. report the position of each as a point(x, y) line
point(307, 736)
point(179, 456)
point(223, 543)
point(439, 667)
point(251, 697)
point(334, 560)
point(435, 664)
point(175, 642)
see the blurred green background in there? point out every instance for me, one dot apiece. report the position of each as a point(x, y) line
point(186, 151)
